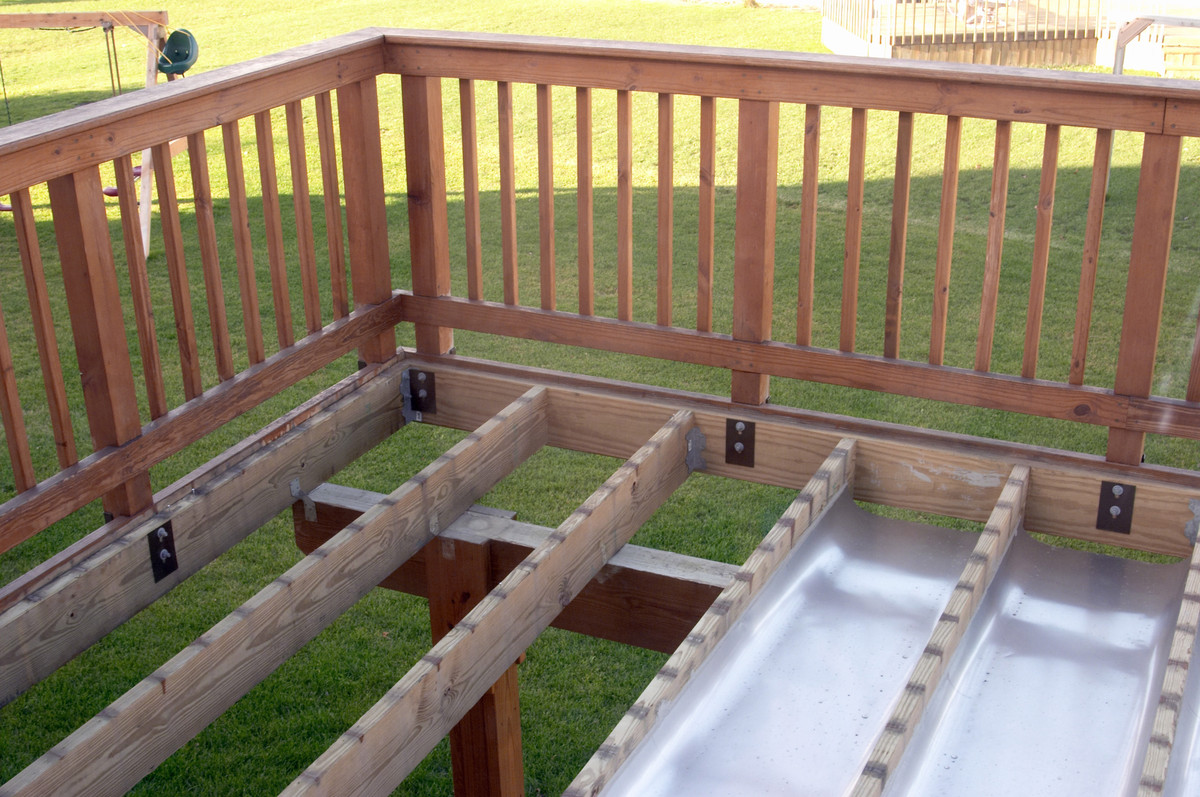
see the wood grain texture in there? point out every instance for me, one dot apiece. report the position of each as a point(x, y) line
point(154, 718)
point(810, 184)
point(1041, 253)
point(335, 243)
point(945, 242)
point(901, 184)
point(13, 418)
point(470, 160)
point(306, 253)
point(243, 246)
point(106, 578)
point(545, 167)
point(926, 675)
point(508, 193)
point(584, 202)
point(854, 221)
point(835, 473)
point(206, 228)
point(273, 229)
point(995, 247)
point(664, 247)
point(395, 734)
point(1091, 254)
point(706, 214)
point(624, 205)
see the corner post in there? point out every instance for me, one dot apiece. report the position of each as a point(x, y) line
point(366, 211)
point(754, 237)
point(97, 323)
point(1150, 250)
point(425, 163)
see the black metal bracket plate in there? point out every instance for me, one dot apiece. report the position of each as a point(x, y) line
point(162, 552)
point(422, 393)
point(739, 443)
point(1115, 512)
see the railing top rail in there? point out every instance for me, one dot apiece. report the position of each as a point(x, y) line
point(41, 149)
point(1151, 105)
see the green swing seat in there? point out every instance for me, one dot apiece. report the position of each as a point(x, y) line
point(179, 53)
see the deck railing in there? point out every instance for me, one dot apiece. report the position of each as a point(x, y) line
point(738, 317)
point(908, 22)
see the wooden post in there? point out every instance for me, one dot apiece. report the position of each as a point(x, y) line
point(485, 745)
point(1150, 250)
point(366, 212)
point(754, 237)
point(94, 302)
point(429, 240)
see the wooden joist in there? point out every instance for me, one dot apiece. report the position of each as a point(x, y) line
point(132, 736)
point(643, 596)
point(981, 567)
point(835, 473)
point(395, 734)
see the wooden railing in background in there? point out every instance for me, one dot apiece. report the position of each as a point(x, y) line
point(67, 152)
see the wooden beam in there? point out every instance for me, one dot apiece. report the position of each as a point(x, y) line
point(836, 472)
point(920, 469)
point(96, 585)
point(394, 735)
point(643, 596)
point(926, 676)
point(132, 736)
point(137, 20)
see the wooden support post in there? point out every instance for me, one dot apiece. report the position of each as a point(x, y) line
point(485, 746)
point(366, 211)
point(1150, 250)
point(90, 280)
point(754, 237)
point(425, 161)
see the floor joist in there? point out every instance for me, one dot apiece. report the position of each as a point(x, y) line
point(394, 735)
point(835, 473)
point(111, 753)
point(643, 596)
point(98, 583)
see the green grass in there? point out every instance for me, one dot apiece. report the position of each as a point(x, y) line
point(574, 688)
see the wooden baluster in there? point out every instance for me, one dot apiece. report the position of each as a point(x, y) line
point(1150, 250)
point(43, 323)
point(366, 206)
point(545, 135)
point(508, 194)
point(854, 221)
point(273, 222)
point(13, 418)
point(209, 258)
point(754, 237)
point(429, 238)
point(900, 193)
point(995, 247)
point(181, 294)
point(97, 324)
point(243, 247)
point(666, 204)
point(1193, 385)
point(706, 214)
point(584, 201)
point(1091, 254)
point(1041, 253)
point(624, 205)
point(485, 745)
point(945, 241)
point(305, 246)
point(333, 206)
point(811, 181)
point(471, 221)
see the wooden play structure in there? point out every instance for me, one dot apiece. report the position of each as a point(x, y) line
point(494, 583)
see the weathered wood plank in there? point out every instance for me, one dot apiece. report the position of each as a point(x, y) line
point(273, 227)
point(97, 584)
point(625, 205)
point(243, 246)
point(545, 170)
point(470, 160)
point(945, 241)
point(1041, 253)
point(210, 262)
point(810, 184)
point(754, 238)
point(394, 735)
point(664, 250)
point(584, 202)
point(706, 214)
point(111, 753)
point(901, 185)
point(836, 472)
point(926, 675)
point(335, 243)
point(305, 245)
point(508, 193)
point(995, 247)
point(854, 221)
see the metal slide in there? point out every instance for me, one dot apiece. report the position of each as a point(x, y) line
point(1053, 689)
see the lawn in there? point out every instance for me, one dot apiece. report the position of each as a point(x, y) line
point(574, 689)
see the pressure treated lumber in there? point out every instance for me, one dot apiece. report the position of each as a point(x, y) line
point(394, 735)
point(926, 675)
point(99, 583)
point(928, 471)
point(643, 596)
point(127, 740)
point(835, 473)
point(264, 137)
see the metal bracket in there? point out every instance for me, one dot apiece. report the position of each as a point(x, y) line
point(696, 444)
point(310, 506)
point(162, 552)
point(420, 394)
point(1115, 512)
point(739, 443)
